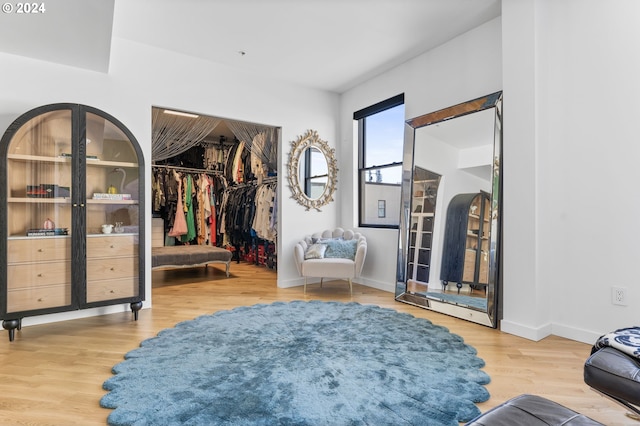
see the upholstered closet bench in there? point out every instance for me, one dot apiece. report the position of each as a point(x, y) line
point(189, 256)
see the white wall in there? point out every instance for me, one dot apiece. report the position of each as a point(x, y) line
point(460, 70)
point(571, 166)
point(140, 77)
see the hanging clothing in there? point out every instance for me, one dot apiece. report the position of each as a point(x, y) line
point(179, 226)
point(188, 208)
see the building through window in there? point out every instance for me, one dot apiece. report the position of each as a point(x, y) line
point(380, 140)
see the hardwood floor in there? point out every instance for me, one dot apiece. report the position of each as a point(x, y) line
point(52, 374)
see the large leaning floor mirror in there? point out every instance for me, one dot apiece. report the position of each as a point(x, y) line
point(449, 245)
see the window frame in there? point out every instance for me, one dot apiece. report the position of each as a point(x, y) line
point(361, 116)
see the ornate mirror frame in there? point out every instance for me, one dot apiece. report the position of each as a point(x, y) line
point(298, 147)
point(493, 313)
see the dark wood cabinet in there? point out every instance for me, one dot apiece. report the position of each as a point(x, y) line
point(466, 249)
point(72, 221)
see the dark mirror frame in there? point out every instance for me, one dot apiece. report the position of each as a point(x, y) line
point(493, 314)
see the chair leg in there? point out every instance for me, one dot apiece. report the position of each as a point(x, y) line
point(351, 286)
point(305, 285)
point(321, 281)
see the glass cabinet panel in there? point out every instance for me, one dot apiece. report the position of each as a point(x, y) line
point(38, 191)
point(112, 214)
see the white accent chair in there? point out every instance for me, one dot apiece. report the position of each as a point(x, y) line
point(312, 263)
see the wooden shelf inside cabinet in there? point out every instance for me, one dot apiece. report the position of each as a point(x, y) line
point(92, 201)
point(39, 200)
point(101, 163)
point(36, 237)
point(476, 216)
point(38, 158)
point(89, 161)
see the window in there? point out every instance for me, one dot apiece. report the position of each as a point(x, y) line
point(381, 140)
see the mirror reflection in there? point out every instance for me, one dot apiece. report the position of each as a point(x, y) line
point(314, 172)
point(449, 236)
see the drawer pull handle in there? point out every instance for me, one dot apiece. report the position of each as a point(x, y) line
point(111, 291)
point(111, 246)
point(40, 250)
point(40, 299)
point(112, 269)
point(39, 275)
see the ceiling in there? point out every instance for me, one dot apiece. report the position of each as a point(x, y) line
point(329, 45)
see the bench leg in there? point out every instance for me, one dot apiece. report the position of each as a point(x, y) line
point(227, 266)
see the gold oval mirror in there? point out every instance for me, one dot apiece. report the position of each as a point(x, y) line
point(312, 169)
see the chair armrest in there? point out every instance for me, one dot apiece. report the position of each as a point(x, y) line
point(361, 253)
point(298, 254)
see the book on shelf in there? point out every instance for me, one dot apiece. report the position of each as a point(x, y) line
point(112, 197)
point(41, 232)
point(88, 157)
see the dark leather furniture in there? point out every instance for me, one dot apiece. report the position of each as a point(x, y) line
point(612, 372)
point(615, 375)
point(532, 410)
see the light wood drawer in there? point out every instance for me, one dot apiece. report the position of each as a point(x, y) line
point(102, 246)
point(112, 268)
point(26, 275)
point(38, 249)
point(27, 299)
point(111, 289)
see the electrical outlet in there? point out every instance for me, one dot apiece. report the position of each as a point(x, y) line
point(619, 296)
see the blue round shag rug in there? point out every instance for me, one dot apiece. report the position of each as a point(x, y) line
point(299, 363)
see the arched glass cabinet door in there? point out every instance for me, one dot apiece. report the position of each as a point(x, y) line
point(72, 225)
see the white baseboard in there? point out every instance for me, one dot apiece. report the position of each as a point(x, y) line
point(577, 334)
point(560, 330)
point(291, 283)
point(531, 333)
point(380, 285)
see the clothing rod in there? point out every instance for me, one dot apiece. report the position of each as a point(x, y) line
point(187, 169)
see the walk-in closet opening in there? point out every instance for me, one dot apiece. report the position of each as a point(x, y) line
point(214, 184)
